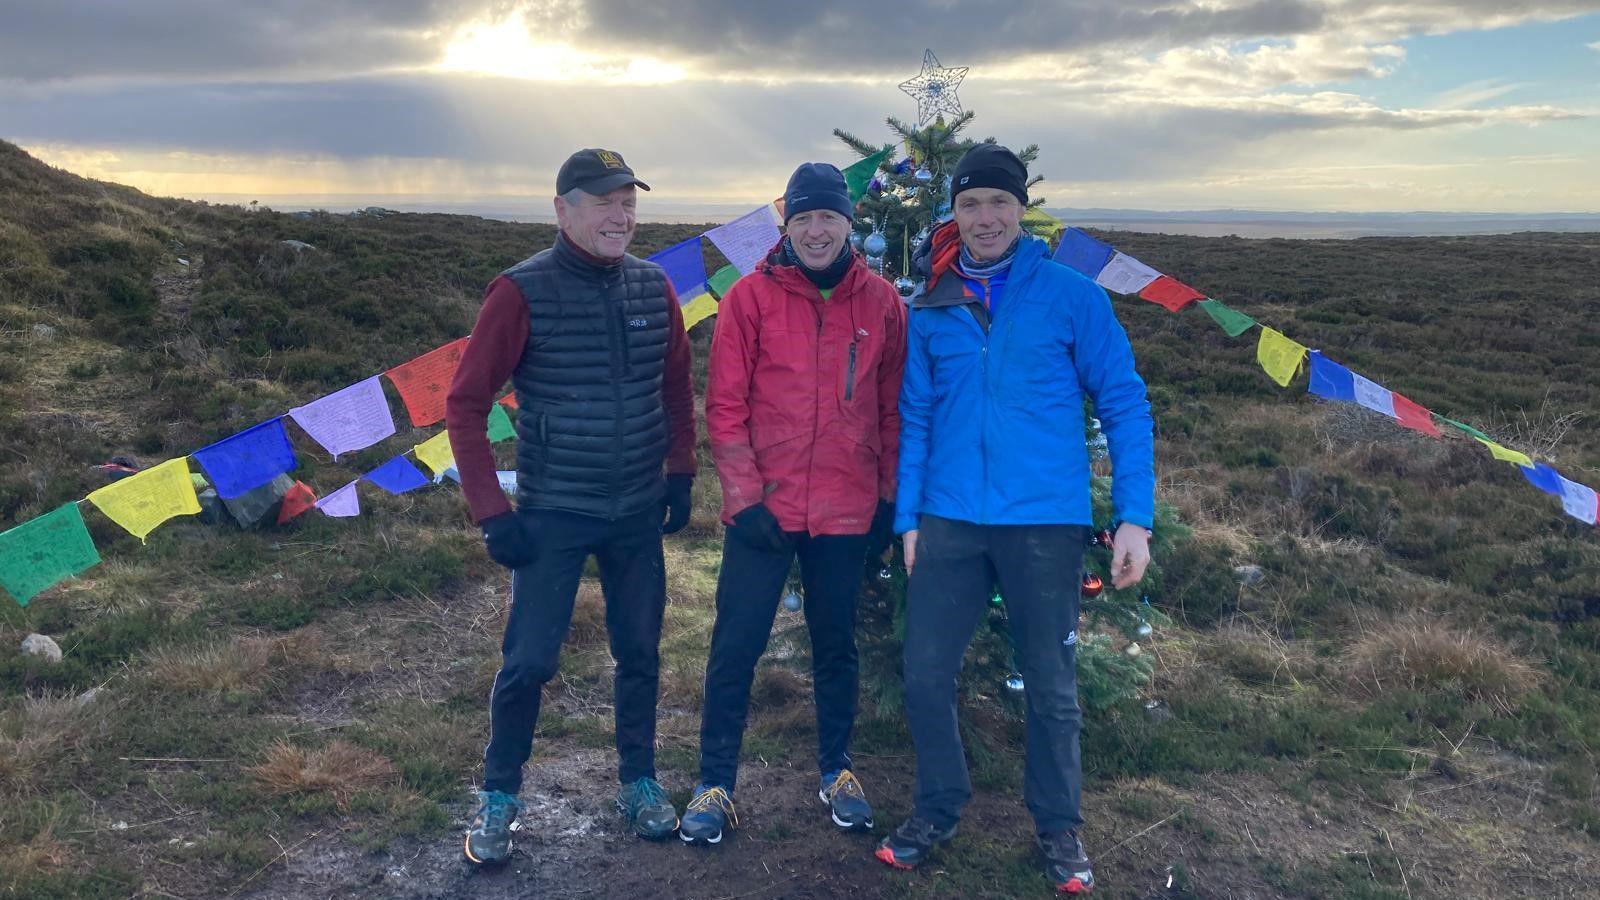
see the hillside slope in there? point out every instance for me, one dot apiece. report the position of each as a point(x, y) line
point(1405, 703)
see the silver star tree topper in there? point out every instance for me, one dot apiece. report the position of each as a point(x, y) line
point(934, 89)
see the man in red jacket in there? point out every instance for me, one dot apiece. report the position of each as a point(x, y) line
point(593, 341)
point(802, 411)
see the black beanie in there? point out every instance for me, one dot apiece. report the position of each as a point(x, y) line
point(817, 186)
point(991, 166)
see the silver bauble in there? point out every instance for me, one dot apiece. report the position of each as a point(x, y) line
point(905, 286)
point(923, 175)
point(875, 244)
point(1144, 630)
point(1014, 683)
point(791, 601)
point(1132, 650)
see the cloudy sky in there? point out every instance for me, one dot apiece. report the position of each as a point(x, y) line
point(1455, 105)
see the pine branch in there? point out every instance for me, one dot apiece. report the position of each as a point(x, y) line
point(858, 145)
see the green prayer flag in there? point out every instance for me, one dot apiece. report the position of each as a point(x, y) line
point(722, 280)
point(41, 552)
point(1233, 322)
point(860, 173)
point(1464, 427)
point(500, 425)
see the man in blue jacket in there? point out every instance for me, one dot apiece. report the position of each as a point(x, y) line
point(1005, 345)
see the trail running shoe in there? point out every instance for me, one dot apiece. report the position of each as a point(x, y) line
point(648, 811)
point(1065, 863)
point(488, 841)
point(708, 814)
point(847, 802)
point(909, 845)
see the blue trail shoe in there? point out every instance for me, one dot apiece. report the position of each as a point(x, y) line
point(648, 811)
point(910, 845)
point(708, 814)
point(1065, 863)
point(846, 801)
point(488, 840)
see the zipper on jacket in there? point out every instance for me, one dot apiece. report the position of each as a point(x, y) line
point(850, 376)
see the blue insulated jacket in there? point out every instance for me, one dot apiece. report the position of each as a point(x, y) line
point(991, 412)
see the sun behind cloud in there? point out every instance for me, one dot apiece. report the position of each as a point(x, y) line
point(508, 48)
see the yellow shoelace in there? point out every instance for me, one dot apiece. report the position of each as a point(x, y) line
point(715, 797)
point(845, 781)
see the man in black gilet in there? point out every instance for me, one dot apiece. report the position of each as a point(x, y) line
point(593, 340)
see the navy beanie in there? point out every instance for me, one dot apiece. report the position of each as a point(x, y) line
point(817, 186)
point(991, 166)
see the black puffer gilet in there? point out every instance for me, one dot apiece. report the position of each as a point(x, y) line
point(591, 428)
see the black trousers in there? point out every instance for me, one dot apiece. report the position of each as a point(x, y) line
point(1038, 570)
point(748, 589)
point(633, 579)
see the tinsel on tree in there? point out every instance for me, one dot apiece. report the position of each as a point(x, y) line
point(909, 191)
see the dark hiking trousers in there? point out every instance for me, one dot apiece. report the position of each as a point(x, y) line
point(1037, 568)
point(633, 580)
point(748, 589)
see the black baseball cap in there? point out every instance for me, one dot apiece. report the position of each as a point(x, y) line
point(596, 171)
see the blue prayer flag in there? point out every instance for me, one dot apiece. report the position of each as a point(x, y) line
point(1082, 252)
point(397, 476)
point(1331, 380)
point(686, 267)
point(1543, 477)
point(249, 459)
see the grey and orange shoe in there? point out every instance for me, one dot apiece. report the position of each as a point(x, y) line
point(649, 812)
point(1065, 863)
point(708, 814)
point(488, 839)
point(910, 845)
point(846, 801)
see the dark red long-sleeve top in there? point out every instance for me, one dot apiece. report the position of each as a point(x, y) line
point(498, 341)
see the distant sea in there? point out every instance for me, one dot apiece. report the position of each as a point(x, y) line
point(1204, 223)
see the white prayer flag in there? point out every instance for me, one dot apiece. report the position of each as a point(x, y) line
point(1125, 275)
point(1374, 396)
point(746, 240)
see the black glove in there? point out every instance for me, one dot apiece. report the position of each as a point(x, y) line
point(758, 527)
point(881, 534)
point(508, 540)
point(677, 503)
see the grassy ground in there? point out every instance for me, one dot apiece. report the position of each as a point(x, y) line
point(1407, 704)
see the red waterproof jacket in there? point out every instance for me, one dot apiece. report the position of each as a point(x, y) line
point(802, 404)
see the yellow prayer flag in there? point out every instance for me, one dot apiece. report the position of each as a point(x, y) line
point(141, 502)
point(1506, 454)
point(697, 309)
point(1042, 223)
point(1279, 355)
point(436, 452)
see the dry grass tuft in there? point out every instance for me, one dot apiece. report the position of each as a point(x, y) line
point(247, 663)
point(41, 854)
point(338, 770)
point(34, 734)
point(1413, 652)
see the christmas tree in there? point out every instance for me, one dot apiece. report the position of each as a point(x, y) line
point(903, 200)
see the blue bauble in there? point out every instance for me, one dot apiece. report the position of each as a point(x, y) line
point(875, 244)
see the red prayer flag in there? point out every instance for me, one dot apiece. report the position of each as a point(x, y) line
point(1413, 415)
point(296, 500)
point(510, 400)
point(1171, 293)
point(423, 382)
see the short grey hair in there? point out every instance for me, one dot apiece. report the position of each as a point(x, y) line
point(575, 196)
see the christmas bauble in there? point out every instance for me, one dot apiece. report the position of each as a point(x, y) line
point(875, 185)
point(923, 175)
point(1014, 683)
point(997, 600)
point(1132, 650)
point(855, 240)
point(1144, 630)
point(791, 601)
point(1092, 585)
point(875, 244)
point(904, 285)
